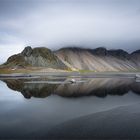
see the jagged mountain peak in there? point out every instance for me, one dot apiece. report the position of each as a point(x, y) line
point(36, 57)
point(76, 58)
point(100, 59)
point(27, 51)
point(136, 52)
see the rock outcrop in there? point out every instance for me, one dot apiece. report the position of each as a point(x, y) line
point(135, 56)
point(37, 57)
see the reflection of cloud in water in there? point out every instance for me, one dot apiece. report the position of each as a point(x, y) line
point(100, 87)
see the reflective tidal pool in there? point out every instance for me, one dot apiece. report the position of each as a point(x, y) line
point(56, 108)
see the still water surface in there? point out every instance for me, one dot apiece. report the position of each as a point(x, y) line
point(90, 108)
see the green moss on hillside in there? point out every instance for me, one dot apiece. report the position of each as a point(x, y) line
point(16, 60)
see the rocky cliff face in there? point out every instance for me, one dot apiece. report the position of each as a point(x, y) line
point(100, 59)
point(135, 56)
point(38, 57)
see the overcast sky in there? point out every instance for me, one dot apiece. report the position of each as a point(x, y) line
point(114, 24)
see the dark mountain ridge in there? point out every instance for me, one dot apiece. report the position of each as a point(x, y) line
point(100, 59)
point(36, 57)
point(76, 58)
point(101, 51)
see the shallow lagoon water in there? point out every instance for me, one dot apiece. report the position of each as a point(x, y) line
point(32, 109)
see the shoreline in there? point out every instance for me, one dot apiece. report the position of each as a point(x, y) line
point(71, 74)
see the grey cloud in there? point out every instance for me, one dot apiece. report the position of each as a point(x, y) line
point(57, 23)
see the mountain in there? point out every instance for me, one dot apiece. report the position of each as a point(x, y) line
point(74, 58)
point(99, 59)
point(135, 56)
point(37, 57)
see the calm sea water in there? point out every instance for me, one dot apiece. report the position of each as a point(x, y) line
point(90, 108)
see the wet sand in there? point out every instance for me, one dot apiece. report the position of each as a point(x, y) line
point(118, 123)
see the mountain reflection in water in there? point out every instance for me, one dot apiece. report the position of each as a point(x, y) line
point(100, 87)
point(72, 117)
